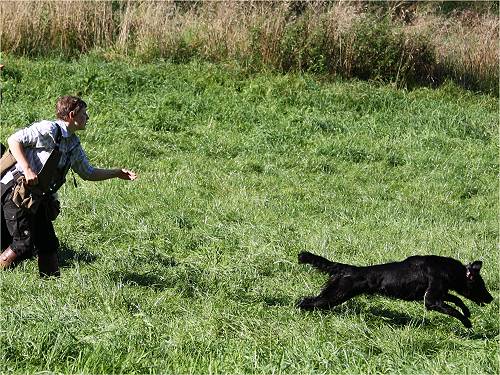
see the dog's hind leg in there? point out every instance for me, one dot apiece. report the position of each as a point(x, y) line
point(336, 291)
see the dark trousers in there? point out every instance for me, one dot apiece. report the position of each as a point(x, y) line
point(26, 232)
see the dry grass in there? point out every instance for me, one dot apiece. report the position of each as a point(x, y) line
point(318, 36)
point(466, 44)
point(472, 49)
point(37, 27)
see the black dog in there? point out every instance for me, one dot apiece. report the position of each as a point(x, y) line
point(427, 278)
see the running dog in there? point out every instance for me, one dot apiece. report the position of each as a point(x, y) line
point(428, 278)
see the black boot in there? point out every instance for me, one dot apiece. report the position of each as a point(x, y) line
point(48, 265)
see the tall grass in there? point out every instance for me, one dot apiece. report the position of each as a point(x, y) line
point(407, 43)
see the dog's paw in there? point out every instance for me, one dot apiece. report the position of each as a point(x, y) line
point(467, 323)
point(305, 303)
point(305, 257)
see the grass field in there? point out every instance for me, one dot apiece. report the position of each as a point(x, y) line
point(193, 267)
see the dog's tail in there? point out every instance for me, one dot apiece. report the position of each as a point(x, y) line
point(318, 262)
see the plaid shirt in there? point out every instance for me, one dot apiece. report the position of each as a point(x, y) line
point(39, 139)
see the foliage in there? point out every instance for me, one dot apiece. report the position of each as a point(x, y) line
point(406, 42)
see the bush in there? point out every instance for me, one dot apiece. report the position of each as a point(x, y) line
point(382, 52)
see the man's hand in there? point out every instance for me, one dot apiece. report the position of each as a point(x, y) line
point(125, 174)
point(30, 177)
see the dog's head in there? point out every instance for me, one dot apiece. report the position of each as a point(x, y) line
point(475, 289)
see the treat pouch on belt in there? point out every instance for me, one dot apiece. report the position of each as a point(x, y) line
point(30, 197)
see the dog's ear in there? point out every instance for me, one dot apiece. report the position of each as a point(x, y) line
point(473, 269)
point(477, 265)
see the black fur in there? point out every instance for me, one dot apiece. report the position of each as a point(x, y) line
point(427, 278)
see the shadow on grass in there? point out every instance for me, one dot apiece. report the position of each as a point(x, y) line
point(68, 257)
point(276, 301)
point(148, 280)
point(397, 318)
point(433, 320)
point(381, 315)
point(482, 335)
point(378, 315)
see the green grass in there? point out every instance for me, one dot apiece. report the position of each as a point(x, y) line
point(192, 268)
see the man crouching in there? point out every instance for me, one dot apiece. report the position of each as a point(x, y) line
point(43, 153)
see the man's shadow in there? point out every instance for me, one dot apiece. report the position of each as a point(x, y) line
point(156, 279)
point(148, 280)
point(68, 257)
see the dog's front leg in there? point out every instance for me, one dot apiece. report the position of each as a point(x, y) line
point(457, 301)
point(434, 300)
